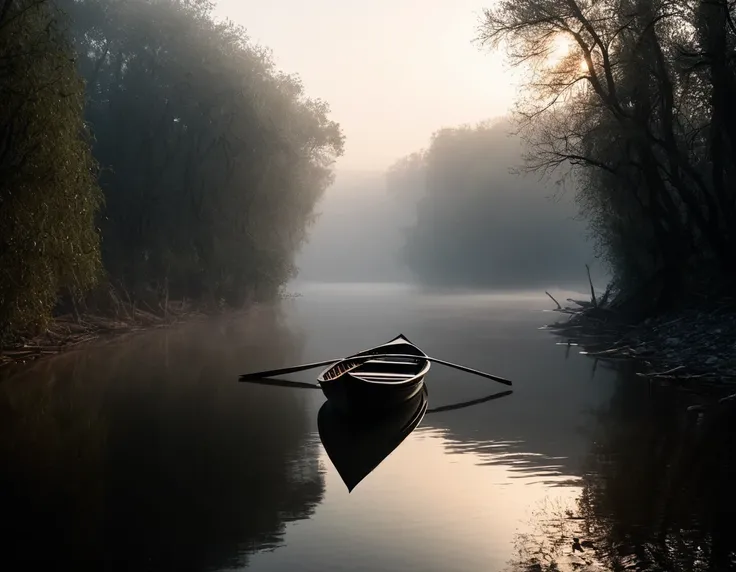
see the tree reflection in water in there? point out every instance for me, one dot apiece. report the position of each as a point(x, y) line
point(145, 454)
point(658, 492)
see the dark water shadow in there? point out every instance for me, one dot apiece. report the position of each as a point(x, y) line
point(657, 491)
point(145, 456)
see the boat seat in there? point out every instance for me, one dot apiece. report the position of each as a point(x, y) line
point(378, 374)
point(408, 361)
point(381, 379)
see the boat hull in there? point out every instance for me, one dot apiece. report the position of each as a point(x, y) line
point(352, 395)
point(382, 383)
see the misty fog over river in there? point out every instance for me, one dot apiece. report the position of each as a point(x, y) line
point(505, 231)
point(146, 453)
point(191, 190)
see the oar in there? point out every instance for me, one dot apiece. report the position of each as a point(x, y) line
point(275, 381)
point(468, 370)
point(296, 368)
point(464, 404)
point(285, 370)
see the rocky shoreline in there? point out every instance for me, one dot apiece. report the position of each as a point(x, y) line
point(697, 343)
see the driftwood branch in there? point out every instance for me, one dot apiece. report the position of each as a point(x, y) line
point(592, 290)
point(559, 307)
point(696, 342)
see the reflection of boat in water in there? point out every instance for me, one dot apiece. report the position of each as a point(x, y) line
point(356, 445)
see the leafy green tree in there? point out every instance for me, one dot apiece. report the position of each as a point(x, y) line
point(48, 191)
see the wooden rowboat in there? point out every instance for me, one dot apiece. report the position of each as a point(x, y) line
point(393, 377)
point(357, 445)
point(373, 380)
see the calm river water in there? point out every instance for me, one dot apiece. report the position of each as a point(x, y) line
point(147, 454)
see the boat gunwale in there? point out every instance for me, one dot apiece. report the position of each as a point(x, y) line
point(407, 381)
point(398, 340)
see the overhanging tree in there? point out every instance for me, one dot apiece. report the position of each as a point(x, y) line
point(637, 106)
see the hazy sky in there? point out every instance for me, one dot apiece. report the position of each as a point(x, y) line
point(393, 71)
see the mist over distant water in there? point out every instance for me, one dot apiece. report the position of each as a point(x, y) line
point(361, 232)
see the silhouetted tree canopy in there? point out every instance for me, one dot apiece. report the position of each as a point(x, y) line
point(478, 223)
point(642, 107)
point(212, 159)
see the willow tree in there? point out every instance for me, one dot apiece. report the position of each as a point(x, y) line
point(48, 190)
point(637, 106)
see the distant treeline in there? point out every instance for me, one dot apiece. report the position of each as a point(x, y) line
point(148, 147)
point(643, 107)
point(477, 223)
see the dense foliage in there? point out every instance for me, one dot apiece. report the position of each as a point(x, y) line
point(477, 223)
point(641, 106)
point(48, 191)
point(211, 160)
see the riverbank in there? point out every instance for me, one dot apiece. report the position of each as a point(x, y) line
point(67, 331)
point(695, 343)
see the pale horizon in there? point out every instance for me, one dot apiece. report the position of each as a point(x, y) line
point(392, 74)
